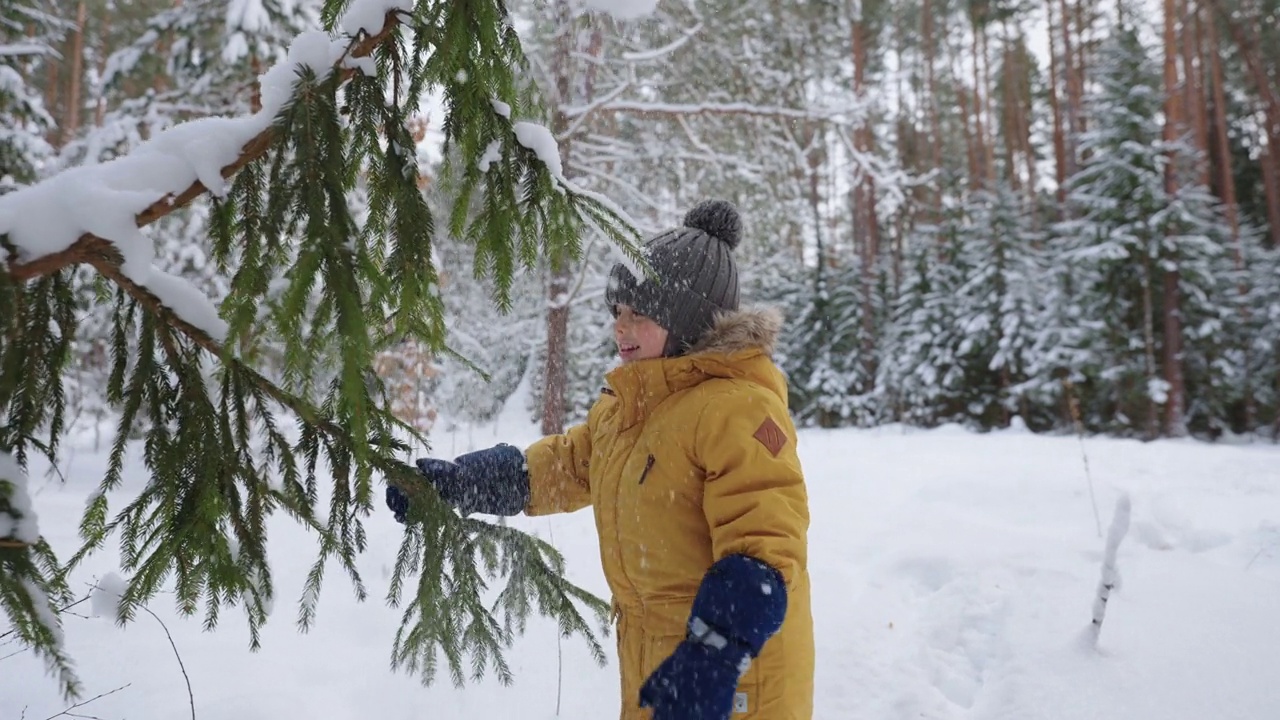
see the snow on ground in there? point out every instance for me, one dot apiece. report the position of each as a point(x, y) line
point(953, 575)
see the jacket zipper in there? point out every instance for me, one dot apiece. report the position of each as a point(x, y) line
point(648, 465)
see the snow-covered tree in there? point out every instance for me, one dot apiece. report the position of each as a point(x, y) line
point(1132, 248)
point(966, 318)
point(29, 31)
point(921, 374)
point(998, 306)
point(342, 286)
point(826, 350)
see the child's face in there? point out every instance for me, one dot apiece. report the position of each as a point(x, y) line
point(638, 337)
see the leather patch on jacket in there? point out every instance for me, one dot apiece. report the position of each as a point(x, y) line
point(772, 437)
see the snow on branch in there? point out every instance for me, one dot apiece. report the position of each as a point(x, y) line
point(94, 213)
point(623, 9)
point(661, 52)
point(18, 526)
point(684, 109)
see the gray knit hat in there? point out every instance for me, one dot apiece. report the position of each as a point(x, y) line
point(696, 275)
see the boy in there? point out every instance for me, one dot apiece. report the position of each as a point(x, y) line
point(689, 462)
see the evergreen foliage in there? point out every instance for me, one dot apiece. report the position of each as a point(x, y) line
point(1128, 232)
point(214, 428)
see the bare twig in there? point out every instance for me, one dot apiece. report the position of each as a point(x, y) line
point(68, 713)
point(64, 608)
point(190, 695)
point(1075, 416)
point(1255, 557)
point(19, 651)
point(551, 534)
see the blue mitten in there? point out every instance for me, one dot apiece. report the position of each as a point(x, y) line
point(740, 604)
point(492, 481)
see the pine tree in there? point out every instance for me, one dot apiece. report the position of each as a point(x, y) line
point(29, 30)
point(997, 307)
point(220, 458)
point(1128, 231)
point(921, 376)
point(825, 352)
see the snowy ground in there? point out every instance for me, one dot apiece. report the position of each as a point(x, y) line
point(953, 574)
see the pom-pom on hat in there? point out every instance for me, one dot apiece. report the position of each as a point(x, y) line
point(697, 277)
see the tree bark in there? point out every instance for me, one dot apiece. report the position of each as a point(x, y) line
point(74, 99)
point(962, 97)
point(1247, 43)
point(1059, 138)
point(555, 379)
point(1226, 188)
point(1174, 422)
point(930, 74)
point(981, 151)
point(866, 224)
point(1071, 80)
point(1197, 103)
point(990, 141)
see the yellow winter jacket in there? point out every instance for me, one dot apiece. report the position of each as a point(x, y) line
point(685, 460)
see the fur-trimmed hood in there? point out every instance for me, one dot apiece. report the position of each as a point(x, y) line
point(738, 347)
point(738, 330)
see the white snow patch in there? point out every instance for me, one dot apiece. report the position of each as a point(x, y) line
point(365, 64)
point(370, 15)
point(540, 140)
point(44, 612)
point(188, 302)
point(501, 108)
point(951, 574)
point(492, 154)
point(247, 15)
point(21, 525)
point(107, 594)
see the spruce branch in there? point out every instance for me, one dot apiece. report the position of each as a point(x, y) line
point(219, 463)
point(94, 250)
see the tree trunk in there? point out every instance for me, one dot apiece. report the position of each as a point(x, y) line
point(555, 376)
point(1226, 189)
point(966, 120)
point(1271, 187)
point(1081, 67)
point(74, 99)
point(52, 97)
point(990, 140)
point(866, 225)
point(1071, 80)
point(1149, 344)
point(104, 52)
point(1247, 43)
point(1174, 423)
point(1193, 102)
point(980, 151)
point(1059, 138)
point(930, 74)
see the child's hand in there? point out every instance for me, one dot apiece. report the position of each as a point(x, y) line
point(697, 682)
point(741, 603)
point(492, 481)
